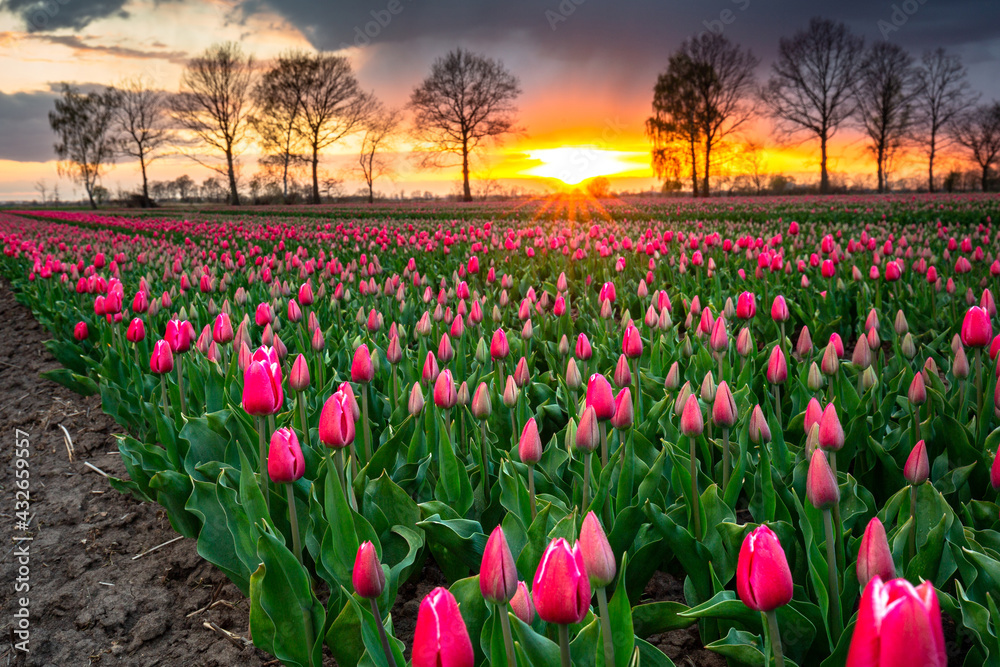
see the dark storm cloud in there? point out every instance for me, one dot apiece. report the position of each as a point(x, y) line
point(26, 135)
point(41, 15)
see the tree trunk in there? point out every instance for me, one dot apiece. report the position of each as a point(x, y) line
point(467, 192)
point(930, 161)
point(705, 189)
point(880, 158)
point(93, 204)
point(986, 176)
point(824, 177)
point(694, 171)
point(371, 193)
point(315, 174)
point(284, 178)
point(145, 183)
point(234, 195)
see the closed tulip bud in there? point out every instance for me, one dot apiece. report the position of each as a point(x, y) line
point(908, 347)
point(898, 625)
point(681, 400)
point(777, 367)
point(80, 331)
point(960, 367)
point(623, 417)
point(746, 306)
point(673, 379)
point(874, 555)
point(814, 413)
point(510, 393)
point(900, 324)
point(831, 433)
point(821, 484)
point(622, 375)
point(598, 558)
point(394, 353)
point(588, 434)
point(719, 340)
point(744, 343)
point(162, 359)
point(222, 329)
point(294, 312)
point(521, 375)
point(561, 589)
point(463, 394)
point(862, 357)
point(521, 604)
point(136, 331)
point(812, 440)
point(814, 379)
point(415, 404)
point(298, 378)
point(763, 578)
point(687, 349)
point(362, 370)
point(244, 357)
point(497, 573)
point(917, 393)
point(441, 638)
point(779, 309)
point(563, 346)
point(285, 463)
point(758, 430)
point(583, 350)
point(977, 329)
point(724, 408)
point(692, 423)
point(445, 396)
point(632, 342)
point(445, 351)
point(708, 388)
point(529, 447)
point(573, 379)
point(918, 468)
point(804, 344)
point(600, 397)
point(869, 379)
point(431, 371)
point(482, 353)
point(336, 422)
point(499, 348)
point(831, 362)
point(260, 393)
point(318, 342)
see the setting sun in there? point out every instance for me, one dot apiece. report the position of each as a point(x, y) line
point(575, 164)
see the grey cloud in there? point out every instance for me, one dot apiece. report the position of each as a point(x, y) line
point(42, 15)
point(26, 135)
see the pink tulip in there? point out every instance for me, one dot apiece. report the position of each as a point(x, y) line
point(561, 589)
point(367, 577)
point(441, 638)
point(763, 578)
point(898, 626)
point(497, 574)
point(285, 463)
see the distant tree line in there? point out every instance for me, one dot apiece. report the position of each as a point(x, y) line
point(823, 80)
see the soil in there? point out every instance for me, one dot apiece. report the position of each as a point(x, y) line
point(91, 601)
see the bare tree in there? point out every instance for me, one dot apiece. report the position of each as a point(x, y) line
point(978, 131)
point(140, 123)
point(674, 128)
point(86, 146)
point(42, 188)
point(811, 89)
point(466, 100)
point(278, 114)
point(944, 94)
point(380, 130)
point(886, 88)
point(723, 79)
point(214, 105)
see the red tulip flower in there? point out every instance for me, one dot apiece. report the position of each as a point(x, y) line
point(561, 589)
point(441, 638)
point(336, 421)
point(161, 361)
point(498, 574)
point(763, 578)
point(285, 463)
point(367, 577)
point(898, 626)
point(977, 330)
point(875, 556)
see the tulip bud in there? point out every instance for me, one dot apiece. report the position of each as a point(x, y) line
point(862, 357)
point(298, 379)
point(918, 467)
point(497, 574)
point(804, 345)
point(561, 589)
point(521, 375)
point(622, 375)
point(482, 408)
point(588, 434)
point(521, 604)
point(763, 578)
point(598, 559)
point(673, 379)
point(529, 447)
point(821, 484)
point(510, 393)
point(831, 433)
point(573, 379)
point(900, 324)
point(708, 388)
point(960, 367)
point(874, 555)
point(441, 638)
point(336, 421)
point(831, 362)
point(445, 396)
point(917, 393)
point(161, 361)
point(724, 409)
point(499, 348)
point(869, 379)
point(692, 423)
point(415, 404)
point(898, 625)
point(759, 431)
point(136, 331)
point(362, 370)
point(623, 417)
point(430, 371)
point(779, 309)
point(600, 397)
point(744, 343)
point(777, 367)
point(814, 379)
point(285, 463)
point(632, 342)
point(977, 329)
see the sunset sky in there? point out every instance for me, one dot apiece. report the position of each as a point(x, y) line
point(587, 68)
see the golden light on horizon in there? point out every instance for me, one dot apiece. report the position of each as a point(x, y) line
point(575, 164)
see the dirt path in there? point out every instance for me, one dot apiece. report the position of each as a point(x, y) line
point(90, 602)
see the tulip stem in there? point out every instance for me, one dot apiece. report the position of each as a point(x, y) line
point(775, 636)
point(695, 504)
point(484, 464)
point(367, 428)
point(777, 402)
point(564, 646)
point(180, 383)
point(638, 388)
point(395, 387)
point(381, 633)
point(604, 445)
point(726, 459)
point(831, 568)
point(531, 489)
point(262, 438)
point(914, 414)
point(586, 482)
point(163, 389)
point(293, 518)
point(913, 521)
point(606, 635)
point(508, 640)
point(302, 415)
point(979, 392)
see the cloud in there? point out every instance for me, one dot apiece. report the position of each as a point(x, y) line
point(80, 45)
point(26, 135)
point(41, 15)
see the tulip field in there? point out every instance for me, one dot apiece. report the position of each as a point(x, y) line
point(791, 405)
